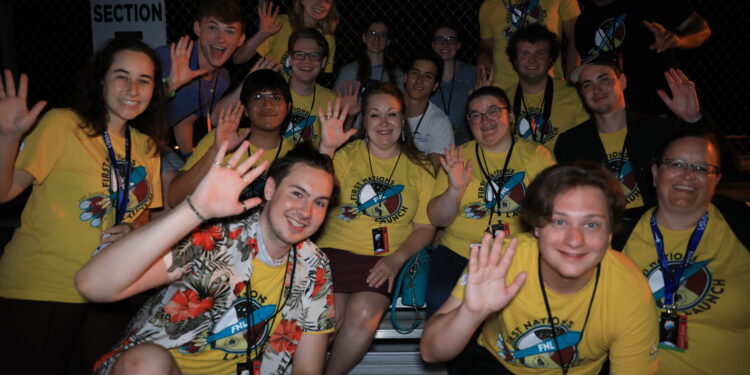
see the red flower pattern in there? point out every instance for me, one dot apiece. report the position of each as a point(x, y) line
point(286, 337)
point(320, 279)
point(234, 234)
point(187, 305)
point(206, 237)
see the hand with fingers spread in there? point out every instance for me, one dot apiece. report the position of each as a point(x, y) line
point(350, 96)
point(684, 100)
point(386, 269)
point(179, 72)
point(267, 14)
point(332, 127)
point(15, 117)
point(226, 131)
point(217, 194)
point(486, 289)
point(484, 76)
point(459, 174)
point(663, 39)
point(266, 62)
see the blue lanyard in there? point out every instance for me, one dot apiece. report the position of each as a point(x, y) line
point(123, 182)
point(672, 279)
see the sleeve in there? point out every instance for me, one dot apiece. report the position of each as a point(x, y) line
point(45, 145)
point(485, 19)
point(200, 150)
point(425, 194)
point(633, 350)
point(319, 310)
point(670, 13)
point(331, 52)
point(561, 147)
point(442, 137)
point(441, 183)
point(568, 10)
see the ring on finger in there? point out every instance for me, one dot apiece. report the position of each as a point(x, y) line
point(216, 162)
point(244, 207)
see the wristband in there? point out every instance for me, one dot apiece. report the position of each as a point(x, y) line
point(190, 203)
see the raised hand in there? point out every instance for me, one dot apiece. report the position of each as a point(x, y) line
point(217, 194)
point(459, 174)
point(486, 290)
point(226, 131)
point(663, 38)
point(267, 13)
point(266, 62)
point(350, 96)
point(484, 75)
point(179, 72)
point(332, 127)
point(15, 117)
point(684, 100)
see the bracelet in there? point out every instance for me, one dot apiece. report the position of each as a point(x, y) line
point(190, 203)
point(165, 81)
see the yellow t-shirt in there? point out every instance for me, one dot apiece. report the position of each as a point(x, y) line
point(405, 196)
point(567, 112)
point(276, 45)
point(622, 170)
point(228, 334)
point(527, 160)
point(271, 155)
point(70, 205)
point(498, 23)
point(622, 324)
point(713, 295)
point(304, 123)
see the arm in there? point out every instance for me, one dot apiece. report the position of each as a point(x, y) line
point(15, 121)
point(387, 268)
point(267, 13)
point(572, 58)
point(443, 208)
point(133, 263)
point(449, 330)
point(310, 355)
point(691, 33)
point(183, 134)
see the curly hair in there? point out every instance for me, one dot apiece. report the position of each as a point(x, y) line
point(533, 33)
point(90, 102)
point(327, 26)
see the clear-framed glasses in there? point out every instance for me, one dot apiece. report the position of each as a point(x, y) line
point(377, 34)
point(449, 40)
point(680, 167)
point(301, 55)
point(262, 98)
point(492, 114)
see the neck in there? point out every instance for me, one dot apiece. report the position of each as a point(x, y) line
point(611, 122)
point(301, 88)
point(203, 64)
point(267, 140)
point(309, 21)
point(116, 128)
point(375, 58)
point(384, 153)
point(416, 107)
point(679, 220)
point(532, 85)
point(564, 285)
point(502, 146)
point(277, 248)
point(448, 69)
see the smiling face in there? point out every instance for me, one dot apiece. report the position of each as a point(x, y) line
point(533, 60)
point(217, 41)
point(296, 207)
point(492, 134)
point(421, 80)
point(445, 43)
point(305, 69)
point(376, 38)
point(575, 239)
point(266, 110)
point(128, 86)
point(383, 123)
point(315, 10)
point(602, 89)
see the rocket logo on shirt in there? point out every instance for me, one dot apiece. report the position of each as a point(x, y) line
point(534, 127)
point(521, 13)
point(376, 198)
point(609, 36)
point(699, 291)
point(301, 126)
point(623, 172)
point(535, 347)
point(94, 208)
point(511, 190)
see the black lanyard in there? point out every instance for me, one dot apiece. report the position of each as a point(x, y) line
point(122, 181)
point(372, 173)
point(565, 363)
point(447, 107)
point(307, 117)
point(519, 99)
point(482, 161)
point(419, 123)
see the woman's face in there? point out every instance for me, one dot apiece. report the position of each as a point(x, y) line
point(316, 10)
point(489, 120)
point(376, 38)
point(445, 43)
point(383, 121)
point(128, 86)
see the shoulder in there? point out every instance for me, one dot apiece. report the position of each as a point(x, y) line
point(586, 129)
point(563, 87)
point(622, 271)
point(324, 92)
point(311, 254)
point(436, 114)
point(489, 6)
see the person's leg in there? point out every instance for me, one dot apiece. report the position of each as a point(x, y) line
point(354, 334)
point(339, 302)
point(445, 268)
point(146, 359)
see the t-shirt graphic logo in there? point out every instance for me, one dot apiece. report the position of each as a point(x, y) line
point(300, 126)
point(536, 347)
point(695, 284)
point(376, 199)
point(511, 192)
point(609, 36)
point(623, 172)
point(522, 13)
point(94, 208)
point(532, 125)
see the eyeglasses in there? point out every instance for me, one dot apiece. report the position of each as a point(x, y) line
point(680, 167)
point(262, 98)
point(492, 114)
point(450, 40)
point(301, 55)
point(376, 34)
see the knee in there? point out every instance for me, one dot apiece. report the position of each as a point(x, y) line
point(364, 314)
point(146, 359)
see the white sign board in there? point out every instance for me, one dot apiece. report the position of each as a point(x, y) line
point(140, 19)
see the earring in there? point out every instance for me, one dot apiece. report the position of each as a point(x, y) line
point(403, 136)
point(367, 140)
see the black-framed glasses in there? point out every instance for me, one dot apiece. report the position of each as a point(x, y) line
point(377, 34)
point(301, 55)
point(261, 98)
point(450, 40)
point(681, 167)
point(492, 114)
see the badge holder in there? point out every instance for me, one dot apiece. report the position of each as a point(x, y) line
point(380, 240)
point(246, 368)
point(672, 330)
point(500, 227)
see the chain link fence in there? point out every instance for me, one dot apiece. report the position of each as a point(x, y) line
point(51, 40)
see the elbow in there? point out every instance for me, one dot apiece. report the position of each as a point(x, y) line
point(86, 287)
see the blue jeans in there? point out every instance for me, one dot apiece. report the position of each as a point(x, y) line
point(446, 266)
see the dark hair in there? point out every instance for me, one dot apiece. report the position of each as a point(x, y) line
point(428, 55)
point(689, 132)
point(538, 204)
point(266, 80)
point(492, 91)
point(309, 33)
point(407, 143)
point(90, 103)
point(533, 33)
point(226, 11)
point(306, 154)
point(364, 65)
point(326, 26)
point(446, 25)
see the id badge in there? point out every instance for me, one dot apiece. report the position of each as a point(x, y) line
point(380, 240)
point(248, 368)
point(673, 331)
point(500, 227)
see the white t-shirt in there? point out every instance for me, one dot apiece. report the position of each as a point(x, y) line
point(433, 132)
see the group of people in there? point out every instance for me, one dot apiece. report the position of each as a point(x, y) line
point(282, 240)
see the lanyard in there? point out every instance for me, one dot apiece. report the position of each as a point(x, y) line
point(447, 107)
point(214, 81)
point(485, 172)
point(122, 181)
point(565, 362)
point(518, 99)
point(416, 128)
point(312, 104)
point(369, 161)
point(672, 279)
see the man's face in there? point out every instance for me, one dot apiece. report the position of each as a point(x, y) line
point(602, 89)
point(533, 60)
point(445, 43)
point(686, 191)
point(266, 110)
point(421, 80)
point(303, 58)
point(297, 206)
point(217, 41)
point(575, 240)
